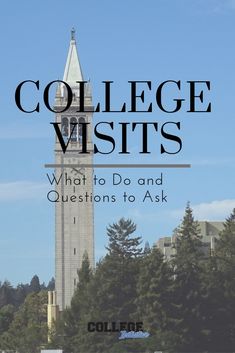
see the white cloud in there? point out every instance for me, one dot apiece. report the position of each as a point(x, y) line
point(22, 190)
point(214, 210)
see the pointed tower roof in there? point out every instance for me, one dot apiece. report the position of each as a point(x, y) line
point(72, 72)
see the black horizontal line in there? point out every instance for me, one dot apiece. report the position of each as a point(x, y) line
point(82, 165)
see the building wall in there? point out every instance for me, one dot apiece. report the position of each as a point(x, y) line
point(209, 231)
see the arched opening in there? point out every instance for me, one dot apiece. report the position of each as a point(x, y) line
point(74, 130)
point(65, 127)
point(81, 121)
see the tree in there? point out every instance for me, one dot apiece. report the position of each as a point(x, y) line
point(71, 328)
point(220, 291)
point(6, 294)
point(225, 247)
point(155, 299)
point(35, 284)
point(214, 308)
point(51, 284)
point(6, 317)
point(120, 241)
point(188, 268)
point(147, 248)
point(106, 295)
point(121, 266)
point(28, 330)
point(20, 294)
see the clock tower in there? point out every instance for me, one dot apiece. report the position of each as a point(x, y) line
point(74, 219)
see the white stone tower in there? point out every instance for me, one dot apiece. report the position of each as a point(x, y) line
point(74, 229)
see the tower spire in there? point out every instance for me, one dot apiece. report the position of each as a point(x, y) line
point(73, 71)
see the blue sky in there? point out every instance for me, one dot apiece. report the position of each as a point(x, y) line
point(119, 41)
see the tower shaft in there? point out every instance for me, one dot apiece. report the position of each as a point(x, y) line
point(74, 228)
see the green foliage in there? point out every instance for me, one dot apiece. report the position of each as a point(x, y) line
point(188, 267)
point(120, 241)
point(51, 284)
point(107, 295)
point(155, 301)
point(70, 329)
point(219, 289)
point(35, 284)
point(6, 317)
point(6, 294)
point(186, 304)
point(28, 330)
point(225, 249)
point(155, 297)
point(16, 296)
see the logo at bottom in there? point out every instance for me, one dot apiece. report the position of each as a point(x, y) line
point(133, 334)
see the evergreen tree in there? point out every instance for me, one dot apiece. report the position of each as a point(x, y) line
point(28, 330)
point(51, 284)
point(35, 284)
point(120, 241)
point(147, 248)
point(121, 266)
point(110, 293)
point(6, 294)
point(71, 329)
point(188, 268)
point(225, 247)
point(155, 299)
point(220, 291)
point(20, 294)
point(6, 317)
point(214, 308)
